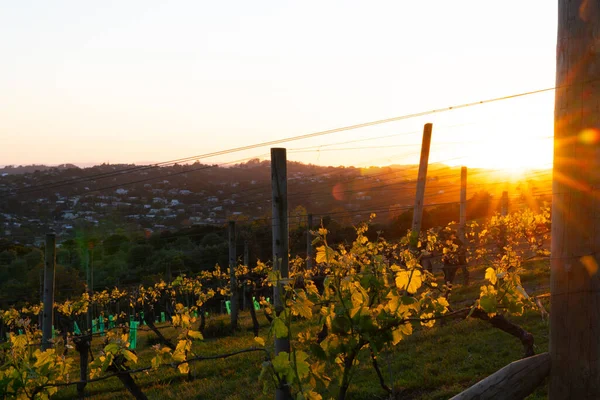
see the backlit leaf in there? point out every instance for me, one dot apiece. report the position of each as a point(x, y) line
point(490, 275)
point(184, 368)
point(279, 328)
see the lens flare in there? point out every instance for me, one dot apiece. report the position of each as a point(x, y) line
point(338, 192)
point(589, 136)
point(590, 264)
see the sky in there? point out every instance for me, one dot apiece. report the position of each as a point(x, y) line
point(148, 81)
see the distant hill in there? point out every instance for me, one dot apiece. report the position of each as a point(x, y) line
point(67, 198)
point(29, 169)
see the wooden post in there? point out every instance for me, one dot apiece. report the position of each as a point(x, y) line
point(82, 345)
point(246, 253)
point(517, 380)
point(247, 264)
point(280, 245)
point(49, 264)
point(41, 314)
point(463, 202)
point(421, 180)
point(169, 273)
point(504, 204)
point(91, 256)
point(89, 315)
point(575, 277)
point(232, 278)
point(309, 239)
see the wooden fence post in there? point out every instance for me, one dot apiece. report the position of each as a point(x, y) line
point(41, 314)
point(575, 277)
point(49, 265)
point(504, 204)
point(517, 380)
point(247, 264)
point(232, 278)
point(463, 202)
point(309, 239)
point(280, 245)
point(89, 315)
point(421, 180)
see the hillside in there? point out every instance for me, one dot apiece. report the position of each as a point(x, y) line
point(137, 198)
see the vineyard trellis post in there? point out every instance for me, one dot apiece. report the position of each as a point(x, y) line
point(88, 277)
point(280, 244)
point(463, 202)
point(504, 204)
point(49, 267)
point(232, 278)
point(247, 264)
point(309, 248)
point(575, 279)
point(421, 180)
point(41, 315)
point(246, 253)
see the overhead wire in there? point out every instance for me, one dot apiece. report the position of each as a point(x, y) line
point(241, 148)
point(284, 140)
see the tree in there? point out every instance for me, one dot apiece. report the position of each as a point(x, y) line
point(7, 257)
point(139, 256)
point(575, 281)
point(113, 243)
point(72, 257)
point(212, 239)
point(34, 258)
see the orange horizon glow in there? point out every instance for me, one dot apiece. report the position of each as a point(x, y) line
point(138, 82)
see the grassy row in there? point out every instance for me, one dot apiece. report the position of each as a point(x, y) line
point(432, 364)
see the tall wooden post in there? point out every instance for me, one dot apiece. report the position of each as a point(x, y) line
point(575, 277)
point(232, 278)
point(421, 180)
point(49, 264)
point(309, 239)
point(504, 204)
point(247, 264)
point(41, 314)
point(463, 202)
point(91, 257)
point(90, 312)
point(280, 244)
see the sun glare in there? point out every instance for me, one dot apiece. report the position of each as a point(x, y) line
point(513, 159)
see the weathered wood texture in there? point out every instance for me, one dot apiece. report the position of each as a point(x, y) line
point(309, 239)
point(232, 279)
point(49, 266)
point(421, 180)
point(515, 381)
point(82, 345)
point(462, 220)
point(280, 245)
point(575, 282)
point(244, 286)
point(504, 204)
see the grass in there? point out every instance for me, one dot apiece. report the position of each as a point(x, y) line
point(432, 364)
